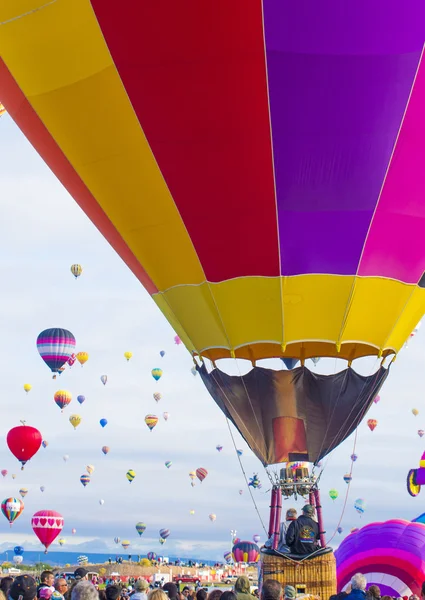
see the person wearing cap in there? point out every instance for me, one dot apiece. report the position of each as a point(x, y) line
point(289, 593)
point(291, 515)
point(46, 580)
point(23, 588)
point(81, 574)
point(141, 586)
point(303, 534)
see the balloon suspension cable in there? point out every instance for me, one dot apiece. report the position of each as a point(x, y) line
point(246, 477)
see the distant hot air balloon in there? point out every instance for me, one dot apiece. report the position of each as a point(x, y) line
point(340, 530)
point(157, 396)
point(347, 478)
point(44, 443)
point(156, 373)
point(151, 556)
point(201, 473)
point(62, 398)
point(239, 452)
point(377, 399)
point(85, 479)
point(162, 353)
point(82, 357)
point(61, 541)
point(65, 457)
point(27, 387)
point(128, 355)
point(372, 423)
point(76, 270)
point(24, 441)
point(192, 475)
point(333, 494)
point(55, 347)
point(194, 371)
point(421, 432)
point(18, 559)
point(191, 512)
point(219, 448)
point(164, 533)
point(168, 464)
point(18, 550)
point(247, 552)
point(2, 110)
point(227, 557)
point(81, 399)
point(177, 340)
point(125, 544)
point(101, 502)
point(240, 492)
point(4, 472)
point(360, 505)
point(354, 457)
point(23, 492)
point(130, 475)
point(315, 359)
point(103, 422)
point(71, 360)
point(166, 415)
point(12, 508)
point(117, 540)
point(13, 476)
point(104, 379)
point(256, 538)
point(151, 421)
point(75, 420)
point(42, 488)
point(140, 528)
point(47, 525)
point(415, 412)
point(90, 469)
point(105, 449)
point(73, 531)
point(212, 517)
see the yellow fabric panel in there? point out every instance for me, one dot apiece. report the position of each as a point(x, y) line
point(67, 88)
point(408, 319)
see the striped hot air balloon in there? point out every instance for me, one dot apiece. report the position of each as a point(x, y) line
point(151, 421)
point(76, 270)
point(201, 473)
point(55, 347)
point(164, 533)
point(12, 508)
point(156, 373)
point(62, 398)
point(130, 475)
point(140, 528)
point(85, 479)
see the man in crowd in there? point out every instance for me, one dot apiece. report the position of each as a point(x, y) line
point(46, 580)
point(271, 590)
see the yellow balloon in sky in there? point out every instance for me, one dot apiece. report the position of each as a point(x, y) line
point(90, 469)
point(27, 387)
point(82, 357)
point(75, 420)
point(76, 270)
point(415, 411)
point(128, 355)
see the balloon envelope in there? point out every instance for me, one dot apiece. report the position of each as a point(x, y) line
point(18, 550)
point(55, 347)
point(12, 508)
point(140, 528)
point(47, 525)
point(81, 399)
point(247, 552)
point(24, 441)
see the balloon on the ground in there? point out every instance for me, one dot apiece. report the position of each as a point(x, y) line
point(105, 449)
point(104, 379)
point(12, 508)
point(246, 552)
point(140, 528)
point(227, 557)
point(24, 442)
point(151, 556)
point(151, 421)
point(55, 347)
point(85, 479)
point(62, 398)
point(201, 473)
point(156, 373)
point(360, 505)
point(82, 357)
point(103, 422)
point(27, 387)
point(75, 420)
point(130, 475)
point(47, 525)
point(128, 355)
point(372, 423)
point(76, 270)
point(81, 398)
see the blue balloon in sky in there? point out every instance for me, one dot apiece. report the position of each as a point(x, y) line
point(103, 422)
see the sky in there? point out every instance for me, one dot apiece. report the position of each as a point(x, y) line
point(43, 232)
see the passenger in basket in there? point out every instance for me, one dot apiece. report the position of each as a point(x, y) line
point(303, 534)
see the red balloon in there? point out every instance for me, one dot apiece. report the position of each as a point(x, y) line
point(24, 441)
point(47, 525)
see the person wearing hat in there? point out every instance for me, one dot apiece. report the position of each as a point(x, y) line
point(23, 588)
point(303, 534)
point(291, 515)
point(141, 586)
point(81, 574)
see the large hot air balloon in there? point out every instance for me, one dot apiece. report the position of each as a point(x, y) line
point(140, 528)
point(24, 441)
point(55, 347)
point(278, 124)
point(75, 420)
point(47, 525)
point(201, 473)
point(76, 270)
point(247, 552)
point(151, 421)
point(12, 508)
point(82, 357)
point(62, 398)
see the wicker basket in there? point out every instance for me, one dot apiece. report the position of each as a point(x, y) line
point(315, 576)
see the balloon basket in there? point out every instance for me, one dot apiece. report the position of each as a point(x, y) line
point(314, 576)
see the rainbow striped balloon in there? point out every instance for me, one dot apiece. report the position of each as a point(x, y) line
point(55, 347)
point(151, 421)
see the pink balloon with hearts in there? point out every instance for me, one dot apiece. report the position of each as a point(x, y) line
point(47, 525)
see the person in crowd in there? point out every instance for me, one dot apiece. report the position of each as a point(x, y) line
point(61, 587)
point(81, 574)
point(46, 580)
point(215, 595)
point(243, 588)
point(201, 594)
point(228, 595)
point(358, 587)
point(102, 594)
point(374, 593)
point(271, 590)
point(171, 590)
point(113, 592)
point(5, 584)
point(158, 594)
point(289, 592)
point(23, 587)
point(84, 590)
point(141, 587)
point(303, 533)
